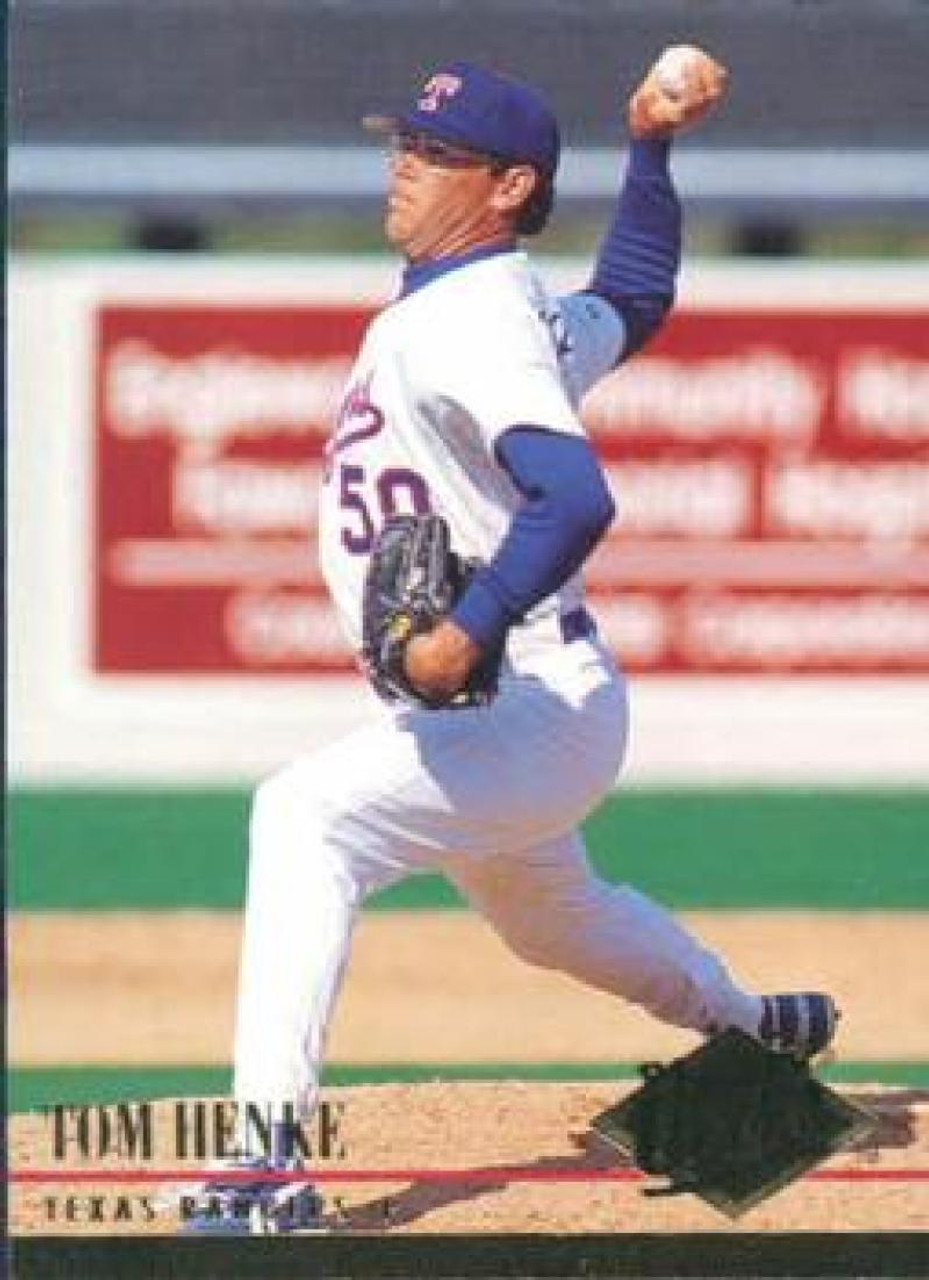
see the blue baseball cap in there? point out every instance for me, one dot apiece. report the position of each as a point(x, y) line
point(483, 110)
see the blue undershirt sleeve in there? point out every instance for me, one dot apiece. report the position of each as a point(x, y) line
point(567, 509)
point(637, 265)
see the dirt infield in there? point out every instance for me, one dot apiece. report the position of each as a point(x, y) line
point(433, 987)
point(541, 1129)
point(131, 988)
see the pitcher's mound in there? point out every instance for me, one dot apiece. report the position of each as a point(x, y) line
point(503, 1157)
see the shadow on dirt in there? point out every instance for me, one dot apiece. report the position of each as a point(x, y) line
point(895, 1128)
point(413, 1202)
point(895, 1116)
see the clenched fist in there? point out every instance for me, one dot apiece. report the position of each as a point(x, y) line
point(682, 87)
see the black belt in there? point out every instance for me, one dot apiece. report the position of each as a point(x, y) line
point(576, 625)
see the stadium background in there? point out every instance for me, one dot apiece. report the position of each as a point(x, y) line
point(165, 158)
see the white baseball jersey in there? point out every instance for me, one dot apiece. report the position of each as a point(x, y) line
point(492, 797)
point(441, 374)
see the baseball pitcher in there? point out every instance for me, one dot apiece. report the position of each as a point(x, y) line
point(460, 501)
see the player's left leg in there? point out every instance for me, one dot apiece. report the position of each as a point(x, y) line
point(304, 890)
point(552, 910)
point(396, 796)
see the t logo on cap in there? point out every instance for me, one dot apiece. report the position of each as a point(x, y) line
point(472, 106)
point(437, 90)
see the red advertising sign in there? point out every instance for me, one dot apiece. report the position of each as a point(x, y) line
point(771, 471)
point(210, 427)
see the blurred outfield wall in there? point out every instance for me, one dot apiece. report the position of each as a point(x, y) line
point(767, 583)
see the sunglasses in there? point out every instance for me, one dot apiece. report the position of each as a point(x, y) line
point(443, 155)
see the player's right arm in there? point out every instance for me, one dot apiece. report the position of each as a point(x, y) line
point(635, 272)
point(633, 284)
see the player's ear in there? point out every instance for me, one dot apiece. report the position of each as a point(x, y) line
point(515, 185)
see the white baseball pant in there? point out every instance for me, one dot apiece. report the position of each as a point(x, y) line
point(493, 798)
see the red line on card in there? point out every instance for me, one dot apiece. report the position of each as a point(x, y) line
point(515, 1174)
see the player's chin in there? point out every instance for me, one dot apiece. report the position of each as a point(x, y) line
point(396, 226)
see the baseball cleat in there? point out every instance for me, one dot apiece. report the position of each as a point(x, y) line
point(259, 1207)
point(801, 1024)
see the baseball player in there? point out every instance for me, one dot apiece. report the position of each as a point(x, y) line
point(464, 401)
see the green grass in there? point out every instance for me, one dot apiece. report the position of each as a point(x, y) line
point(702, 848)
point(31, 1088)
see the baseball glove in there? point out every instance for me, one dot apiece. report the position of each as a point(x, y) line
point(413, 580)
